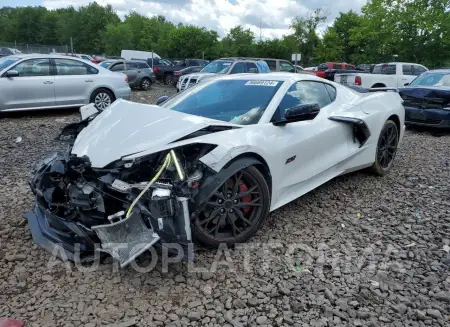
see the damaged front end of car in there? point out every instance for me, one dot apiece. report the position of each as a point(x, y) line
point(121, 209)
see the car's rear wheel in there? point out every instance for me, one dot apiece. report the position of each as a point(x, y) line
point(168, 79)
point(102, 98)
point(235, 211)
point(146, 84)
point(386, 148)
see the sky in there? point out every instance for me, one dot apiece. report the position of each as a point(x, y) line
point(273, 16)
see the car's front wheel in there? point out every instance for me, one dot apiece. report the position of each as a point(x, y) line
point(386, 148)
point(102, 99)
point(236, 211)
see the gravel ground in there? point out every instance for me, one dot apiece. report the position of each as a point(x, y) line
point(368, 252)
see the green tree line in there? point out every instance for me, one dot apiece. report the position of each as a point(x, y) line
point(385, 30)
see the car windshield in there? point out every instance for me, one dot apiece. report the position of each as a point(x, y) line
point(106, 64)
point(218, 67)
point(432, 79)
point(238, 101)
point(7, 61)
point(165, 62)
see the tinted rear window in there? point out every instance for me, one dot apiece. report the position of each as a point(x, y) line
point(384, 69)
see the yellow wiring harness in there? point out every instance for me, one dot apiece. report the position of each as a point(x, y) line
point(171, 156)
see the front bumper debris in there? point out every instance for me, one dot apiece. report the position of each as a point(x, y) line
point(65, 240)
point(79, 211)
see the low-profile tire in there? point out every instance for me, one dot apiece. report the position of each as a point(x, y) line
point(386, 149)
point(235, 212)
point(146, 84)
point(168, 79)
point(102, 98)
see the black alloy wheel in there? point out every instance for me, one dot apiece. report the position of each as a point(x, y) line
point(235, 211)
point(386, 149)
point(168, 79)
point(146, 84)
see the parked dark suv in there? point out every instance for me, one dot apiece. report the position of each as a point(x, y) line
point(139, 73)
point(166, 73)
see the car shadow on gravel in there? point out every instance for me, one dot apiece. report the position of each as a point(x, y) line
point(38, 113)
point(436, 132)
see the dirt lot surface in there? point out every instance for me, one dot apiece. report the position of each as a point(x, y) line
point(368, 251)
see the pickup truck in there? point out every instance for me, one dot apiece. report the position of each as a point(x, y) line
point(320, 71)
point(394, 74)
point(166, 73)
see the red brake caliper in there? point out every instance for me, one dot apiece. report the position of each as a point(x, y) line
point(247, 198)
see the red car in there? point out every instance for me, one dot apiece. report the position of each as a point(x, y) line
point(331, 65)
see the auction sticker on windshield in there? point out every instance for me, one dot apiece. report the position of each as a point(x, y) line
point(263, 83)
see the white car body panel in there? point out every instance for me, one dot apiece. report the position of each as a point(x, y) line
point(369, 80)
point(322, 148)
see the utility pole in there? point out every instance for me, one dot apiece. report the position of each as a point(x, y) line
point(71, 45)
point(260, 30)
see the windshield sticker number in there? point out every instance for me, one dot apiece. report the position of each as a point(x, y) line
point(262, 83)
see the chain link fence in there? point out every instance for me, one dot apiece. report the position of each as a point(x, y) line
point(34, 48)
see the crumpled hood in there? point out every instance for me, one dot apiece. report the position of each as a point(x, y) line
point(425, 97)
point(126, 128)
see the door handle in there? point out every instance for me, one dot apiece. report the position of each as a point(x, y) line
point(48, 82)
point(88, 81)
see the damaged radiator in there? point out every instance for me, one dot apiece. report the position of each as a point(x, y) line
point(126, 239)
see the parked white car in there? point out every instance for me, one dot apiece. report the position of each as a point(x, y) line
point(208, 164)
point(29, 82)
point(394, 74)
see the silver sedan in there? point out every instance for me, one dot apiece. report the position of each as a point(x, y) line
point(29, 82)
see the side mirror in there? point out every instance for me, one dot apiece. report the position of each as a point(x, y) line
point(12, 73)
point(299, 113)
point(161, 99)
point(406, 84)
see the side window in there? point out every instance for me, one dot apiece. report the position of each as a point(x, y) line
point(348, 67)
point(286, 67)
point(251, 67)
point(407, 70)
point(132, 66)
point(417, 70)
point(118, 67)
point(73, 67)
point(272, 64)
point(322, 66)
point(33, 67)
point(143, 65)
point(238, 68)
point(305, 92)
point(331, 91)
point(337, 66)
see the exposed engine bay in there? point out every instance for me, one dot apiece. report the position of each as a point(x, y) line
point(125, 207)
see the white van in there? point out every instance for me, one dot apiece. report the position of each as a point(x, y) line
point(138, 55)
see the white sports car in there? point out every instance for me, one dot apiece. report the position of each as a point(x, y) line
point(208, 164)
